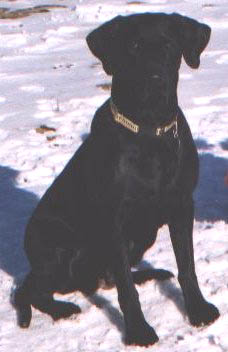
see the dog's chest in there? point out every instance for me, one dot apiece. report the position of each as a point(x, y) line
point(146, 172)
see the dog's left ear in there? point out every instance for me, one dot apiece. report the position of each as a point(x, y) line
point(104, 43)
point(194, 37)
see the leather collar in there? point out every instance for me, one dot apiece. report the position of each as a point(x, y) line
point(127, 123)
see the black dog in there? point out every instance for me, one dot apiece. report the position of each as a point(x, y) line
point(135, 172)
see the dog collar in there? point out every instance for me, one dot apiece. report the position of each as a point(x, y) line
point(127, 123)
point(122, 120)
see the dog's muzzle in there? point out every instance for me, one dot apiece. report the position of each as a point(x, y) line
point(127, 123)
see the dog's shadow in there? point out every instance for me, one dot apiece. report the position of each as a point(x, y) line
point(167, 288)
point(211, 194)
point(113, 314)
point(16, 205)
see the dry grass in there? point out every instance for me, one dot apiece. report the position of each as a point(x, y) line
point(6, 13)
point(43, 129)
point(136, 3)
point(105, 86)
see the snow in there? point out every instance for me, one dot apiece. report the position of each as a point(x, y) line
point(49, 77)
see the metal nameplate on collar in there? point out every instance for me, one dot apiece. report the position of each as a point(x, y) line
point(122, 120)
point(126, 123)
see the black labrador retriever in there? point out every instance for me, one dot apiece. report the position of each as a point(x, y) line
point(136, 171)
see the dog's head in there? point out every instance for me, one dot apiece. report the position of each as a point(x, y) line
point(146, 49)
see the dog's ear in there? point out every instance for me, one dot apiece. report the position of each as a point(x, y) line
point(194, 37)
point(104, 43)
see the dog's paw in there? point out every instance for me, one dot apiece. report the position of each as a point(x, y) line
point(204, 314)
point(24, 316)
point(141, 336)
point(63, 310)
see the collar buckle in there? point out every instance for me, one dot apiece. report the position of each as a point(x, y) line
point(159, 131)
point(175, 131)
point(122, 120)
point(162, 130)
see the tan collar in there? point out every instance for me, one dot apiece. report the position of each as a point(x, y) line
point(124, 121)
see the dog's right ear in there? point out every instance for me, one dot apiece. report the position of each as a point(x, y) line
point(104, 43)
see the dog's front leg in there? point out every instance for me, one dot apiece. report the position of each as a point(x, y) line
point(138, 331)
point(200, 312)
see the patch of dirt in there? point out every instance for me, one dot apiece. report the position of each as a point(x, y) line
point(60, 66)
point(137, 3)
point(3, 10)
point(105, 86)
point(6, 13)
point(95, 64)
point(208, 5)
point(51, 138)
point(44, 129)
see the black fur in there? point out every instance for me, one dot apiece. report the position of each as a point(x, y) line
point(104, 210)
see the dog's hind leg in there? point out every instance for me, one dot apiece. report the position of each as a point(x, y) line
point(141, 276)
point(37, 291)
point(56, 309)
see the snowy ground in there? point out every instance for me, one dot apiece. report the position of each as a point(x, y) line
point(48, 77)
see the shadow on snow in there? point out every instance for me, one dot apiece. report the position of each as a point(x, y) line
point(211, 195)
point(16, 206)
